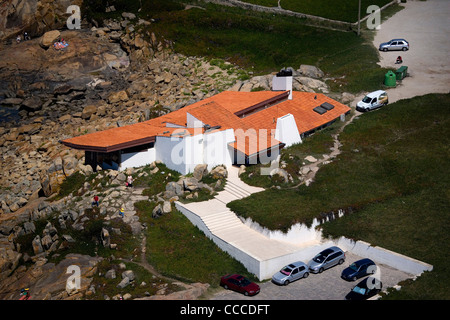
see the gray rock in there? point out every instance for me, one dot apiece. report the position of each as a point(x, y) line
point(110, 274)
point(311, 71)
point(128, 274)
point(37, 245)
point(199, 171)
point(124, 283)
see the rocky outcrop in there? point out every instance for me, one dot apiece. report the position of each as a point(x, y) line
point(33, 16)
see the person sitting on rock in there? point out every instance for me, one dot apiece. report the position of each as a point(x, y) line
point(95, 202)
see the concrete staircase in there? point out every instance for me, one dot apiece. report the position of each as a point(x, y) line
point(261, 255)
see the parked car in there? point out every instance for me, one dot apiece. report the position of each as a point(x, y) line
point(358, 269)
point(326, 259)
point(394, 44)
point(373, 100)
point(290, 273)
point(364, 290)
point(239, 283)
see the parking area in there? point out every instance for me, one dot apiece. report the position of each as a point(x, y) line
point(324, 286)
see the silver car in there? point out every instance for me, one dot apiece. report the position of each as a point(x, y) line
point(326, 259)
point(394, 44)
point(291, 272)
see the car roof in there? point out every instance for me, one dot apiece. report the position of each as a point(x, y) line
point(375, 93)
point(330, 250)
point(296, 264)
point(362, 261)
point(398, 39)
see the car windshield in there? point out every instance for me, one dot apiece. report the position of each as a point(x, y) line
point(244, 282)
point(319, 258)
point(287, 271)
point(359, 290)
point(367, 99)
point(354, 266)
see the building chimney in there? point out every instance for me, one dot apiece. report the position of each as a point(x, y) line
point(282, 81)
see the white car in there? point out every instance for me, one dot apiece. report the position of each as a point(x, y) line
point(373, 100)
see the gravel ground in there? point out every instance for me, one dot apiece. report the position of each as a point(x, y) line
point(425, 25)
point(324, 286)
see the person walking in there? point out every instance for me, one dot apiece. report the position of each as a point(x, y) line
point(121, 212)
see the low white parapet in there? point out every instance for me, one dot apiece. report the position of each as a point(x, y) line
point(384, 256)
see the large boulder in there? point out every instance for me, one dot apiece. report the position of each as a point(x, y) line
point(311, 71)
point(49, 38)
point(199, 171)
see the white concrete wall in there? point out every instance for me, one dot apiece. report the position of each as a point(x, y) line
point(297, 234)
point(137, 159)
point(170, 151)
point(216, 150)
point(193, 122)
point(287, 130)
point(384, 256)
point(282, 84)
point(193, 152)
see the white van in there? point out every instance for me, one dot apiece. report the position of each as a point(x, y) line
point(373, 100)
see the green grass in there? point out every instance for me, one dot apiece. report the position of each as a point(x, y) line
point(392, 179)
point(178, 249)
point(258, 42)
point(345, 10)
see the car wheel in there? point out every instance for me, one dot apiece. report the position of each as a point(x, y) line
point(246, 293)
point(404, 49)
point(226, 287)
point(384, 49)
point(354, 279)
point(341, 261)
point(286, 282)
point(306, 275)
point(320, 270)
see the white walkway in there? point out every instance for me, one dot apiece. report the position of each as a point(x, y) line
point(261, 255)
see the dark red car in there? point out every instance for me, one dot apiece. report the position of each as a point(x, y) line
point(240, 284)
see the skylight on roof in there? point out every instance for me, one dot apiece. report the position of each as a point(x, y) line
point(320, 110)
point(327, 106)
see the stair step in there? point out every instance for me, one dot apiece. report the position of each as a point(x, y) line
point(238, 188)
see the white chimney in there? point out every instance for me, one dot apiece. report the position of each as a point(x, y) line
point(282, 81)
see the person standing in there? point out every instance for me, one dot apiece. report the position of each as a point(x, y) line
point(130, 181)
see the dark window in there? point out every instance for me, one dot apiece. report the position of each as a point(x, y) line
point(320, 110)
point(327, 106)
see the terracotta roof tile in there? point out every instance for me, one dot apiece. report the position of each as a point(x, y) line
point(220, 110)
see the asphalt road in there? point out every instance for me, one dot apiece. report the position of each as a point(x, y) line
point(324, 286)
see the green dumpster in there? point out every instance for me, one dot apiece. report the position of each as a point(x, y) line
point(390, 79)
point(401, 72)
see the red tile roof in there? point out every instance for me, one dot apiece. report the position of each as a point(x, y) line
point(220, 110)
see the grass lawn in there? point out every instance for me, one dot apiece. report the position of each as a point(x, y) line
point(178, 249)
point(263, 43)
point(393, 173)
point(345, 10)
point(258, 42)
